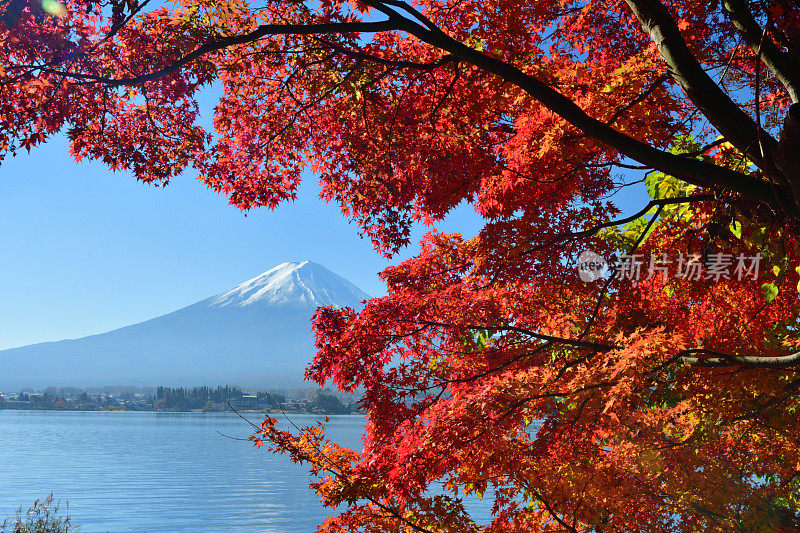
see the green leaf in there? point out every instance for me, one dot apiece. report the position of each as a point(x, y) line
point(736, 229)
point(482, 338)
point(797, 269)
point(652, 181)
point(54, 8)
point(770, 291)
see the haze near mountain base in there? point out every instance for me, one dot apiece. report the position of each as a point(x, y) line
point(256, 334)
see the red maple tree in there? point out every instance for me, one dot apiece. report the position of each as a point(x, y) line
point(665, 401)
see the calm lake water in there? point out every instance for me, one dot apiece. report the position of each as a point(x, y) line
point(158, 472)
point(162, 472)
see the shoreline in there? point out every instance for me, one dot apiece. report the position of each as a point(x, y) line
point(196, 411)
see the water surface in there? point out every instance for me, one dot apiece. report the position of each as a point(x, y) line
point(159, 472)
point(134, 472)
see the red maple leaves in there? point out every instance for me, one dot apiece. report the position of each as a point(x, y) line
point(490, 368)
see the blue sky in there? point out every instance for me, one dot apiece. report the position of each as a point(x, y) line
point(86, 250)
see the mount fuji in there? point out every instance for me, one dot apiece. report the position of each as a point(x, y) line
point(256, 334)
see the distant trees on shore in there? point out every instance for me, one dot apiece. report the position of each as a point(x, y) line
point(181, 398)
point(162, 398)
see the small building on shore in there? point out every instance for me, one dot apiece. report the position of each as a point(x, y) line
point(246, 402)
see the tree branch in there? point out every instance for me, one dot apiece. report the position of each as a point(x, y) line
point(430, 65)
point(725, 115)
point(690, 170)
point(785, 67)
point(643, 96)
point(618, 222)
point(577, 343)
point(261, 31)
point(722, 359)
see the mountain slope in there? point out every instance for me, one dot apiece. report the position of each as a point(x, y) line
point(258, 333)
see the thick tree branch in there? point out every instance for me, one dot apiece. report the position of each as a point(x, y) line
point(593, 230)
point(690, 170)
point(787, 155)
point(716, 359)
point(258, 33)
point(785, 67)
point(721, 359)
point(726, 116)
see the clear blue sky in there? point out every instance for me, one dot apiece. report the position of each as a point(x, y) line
point(85, 250)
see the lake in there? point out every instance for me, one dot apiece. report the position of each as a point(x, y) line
point(162, 472)
point(159, 472)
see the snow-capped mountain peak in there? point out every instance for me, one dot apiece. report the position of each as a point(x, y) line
point(258, 333)
point(294, 283)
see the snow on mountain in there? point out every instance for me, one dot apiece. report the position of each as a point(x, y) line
point(258, 333)
point(293, 283)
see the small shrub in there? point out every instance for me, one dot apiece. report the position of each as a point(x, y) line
point(42, 517)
